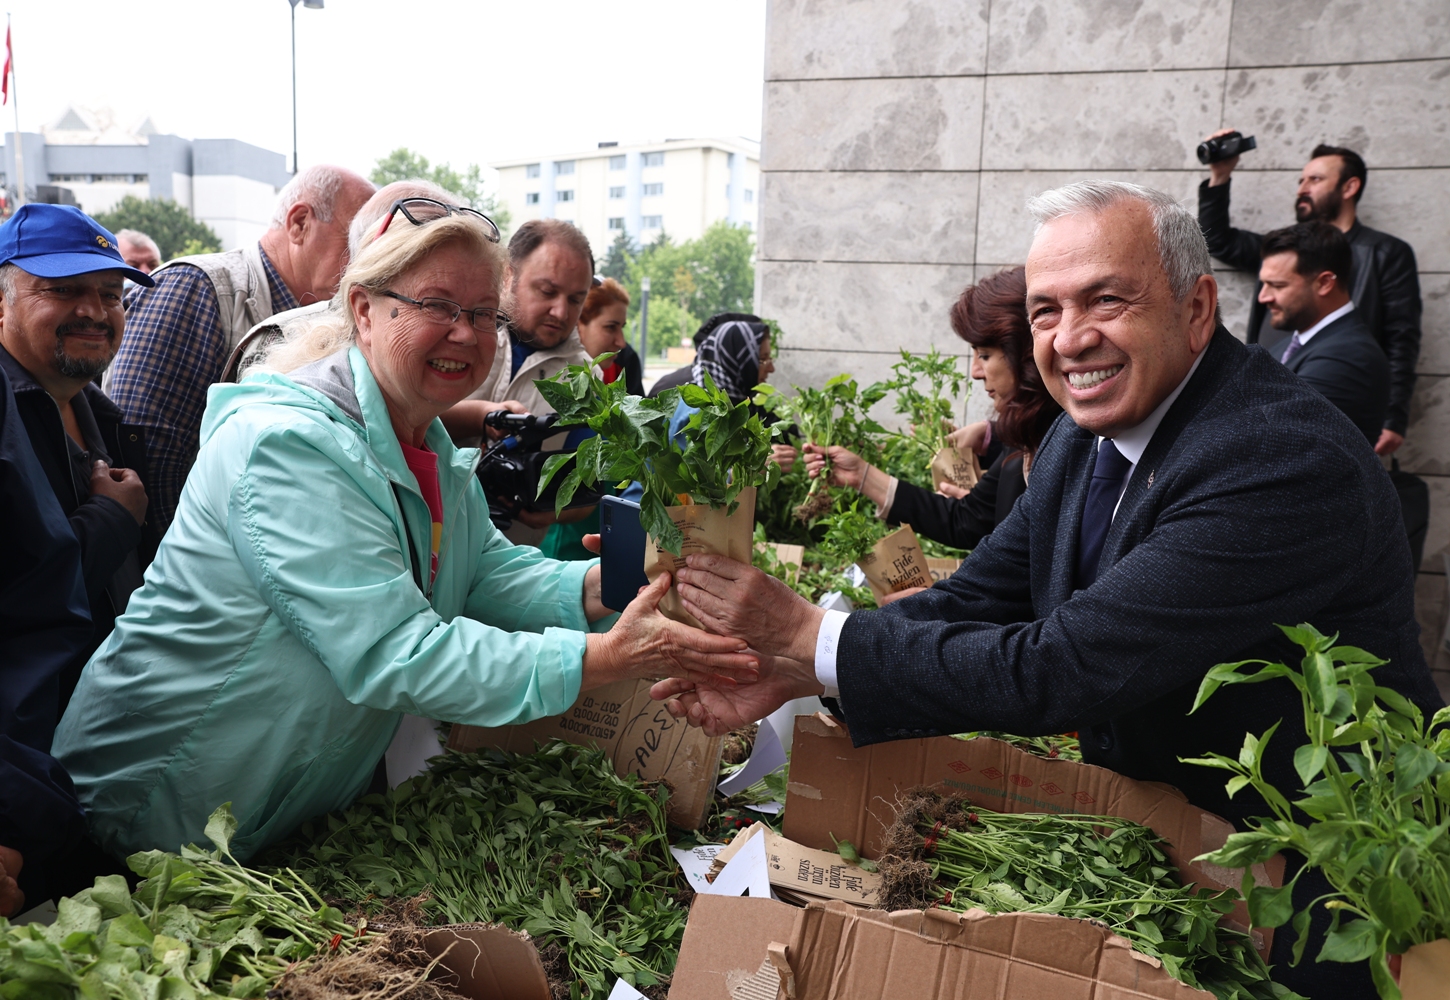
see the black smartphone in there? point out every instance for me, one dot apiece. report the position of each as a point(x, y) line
point(621, 552)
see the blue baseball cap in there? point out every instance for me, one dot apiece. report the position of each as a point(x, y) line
point(59, 241)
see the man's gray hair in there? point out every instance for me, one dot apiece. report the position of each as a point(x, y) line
point(370, 216)
point(7, 281)
point(139, 238)
point(316, 187)
point(1181, 246)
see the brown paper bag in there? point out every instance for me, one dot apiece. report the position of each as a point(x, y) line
point(787, 554)
point(706, 530)
point(1425, 971)
point(942, 569)
point(895, 563)
point(949, 466)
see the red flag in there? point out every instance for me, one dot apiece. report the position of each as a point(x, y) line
point(5, 80)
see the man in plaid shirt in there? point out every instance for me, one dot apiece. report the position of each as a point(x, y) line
point(178, 336)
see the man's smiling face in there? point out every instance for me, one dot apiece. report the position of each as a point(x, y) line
point(1108, 337)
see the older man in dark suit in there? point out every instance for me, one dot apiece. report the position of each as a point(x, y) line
point(1194, 494)
point(1304, 285)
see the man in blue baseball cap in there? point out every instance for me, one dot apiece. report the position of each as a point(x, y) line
point(61, 321)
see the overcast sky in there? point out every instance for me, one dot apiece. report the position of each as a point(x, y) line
point(457, 80)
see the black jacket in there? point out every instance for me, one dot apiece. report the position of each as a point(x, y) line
point(1348, 368)
point(1255, 503)
point(628, 359)
point(44, 625)
point(1386, 291)
point(965, 522)
point(107, 532)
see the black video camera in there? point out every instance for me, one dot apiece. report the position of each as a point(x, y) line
point(511, 468)
point(1225, 147)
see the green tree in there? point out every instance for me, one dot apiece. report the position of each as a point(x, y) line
point(402, 164)
point(616, 261)
point(689, 282)
point(173, 228)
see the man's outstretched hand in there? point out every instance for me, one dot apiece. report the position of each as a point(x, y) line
point(719, 709)
point(731, 598)
point(644, 644)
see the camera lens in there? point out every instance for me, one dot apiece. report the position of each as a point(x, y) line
point(1205, 152)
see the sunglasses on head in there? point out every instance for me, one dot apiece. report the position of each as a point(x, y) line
point(421, 211)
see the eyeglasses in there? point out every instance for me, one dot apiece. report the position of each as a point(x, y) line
point(445, 312)
point(421, 211)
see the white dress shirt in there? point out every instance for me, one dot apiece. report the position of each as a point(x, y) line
point(1343, 310)
point(1131, 442)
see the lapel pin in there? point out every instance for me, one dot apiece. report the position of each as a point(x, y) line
point(1150, 476)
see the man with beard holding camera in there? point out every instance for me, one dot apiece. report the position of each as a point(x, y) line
point(61, 321)
point(550, 272)
point(1385, 285)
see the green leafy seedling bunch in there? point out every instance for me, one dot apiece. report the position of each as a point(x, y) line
point(1377, 798)
point(725, 449)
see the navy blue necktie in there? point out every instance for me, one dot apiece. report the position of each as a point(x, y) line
point(1109, 474)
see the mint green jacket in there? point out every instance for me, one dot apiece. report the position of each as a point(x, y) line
point(282, 630)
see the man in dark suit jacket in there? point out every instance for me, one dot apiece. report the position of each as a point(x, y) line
point(1194, 494)
point(1386, 285)
point(1319, 336)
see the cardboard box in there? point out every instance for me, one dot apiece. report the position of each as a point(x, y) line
point(803, 872)
point(835, 788)
point(489, 962)
point(759, 949)
point(635, 731)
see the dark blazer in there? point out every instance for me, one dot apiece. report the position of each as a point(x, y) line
point(107, 532)
point(1255, 503)
point(43, 626)
point(965, 522)
point(1348, 368)
point(1386, 291)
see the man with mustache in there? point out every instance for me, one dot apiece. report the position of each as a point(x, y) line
point(61, 322)
point(1385, 285)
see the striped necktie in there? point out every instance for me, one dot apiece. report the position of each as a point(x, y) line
point(1294, 344)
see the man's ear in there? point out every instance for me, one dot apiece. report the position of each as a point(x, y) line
point(299, 220)
point(1324, 283)
point(1350, 188)
point(1202, 312)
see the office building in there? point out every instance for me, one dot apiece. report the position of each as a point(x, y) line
point(679, 186)
point(85, 159)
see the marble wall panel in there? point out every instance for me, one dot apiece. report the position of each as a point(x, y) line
point(1438, 536)
point(1430, 605)
point(1427, 445)
point(912, 124)
point(1409, 204)
point(1235, 299)
point(819, 39)
point(1032, 36)
point(1435, 324)
point(1276, 33)
point(1099, 121)
point(1004, 230)
point(862, 307)
point(887, 216)
point(1392, 114)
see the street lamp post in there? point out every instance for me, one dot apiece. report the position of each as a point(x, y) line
point(644, 320)
point(315, 5)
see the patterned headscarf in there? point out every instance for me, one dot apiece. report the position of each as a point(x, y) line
point(731, 354)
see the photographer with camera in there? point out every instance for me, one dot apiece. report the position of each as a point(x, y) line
point(1385, 285)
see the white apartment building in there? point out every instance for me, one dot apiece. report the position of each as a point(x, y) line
point(679, 185)
point(85, 158)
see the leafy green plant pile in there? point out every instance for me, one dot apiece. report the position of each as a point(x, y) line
point(1377, 797)
point(1064, 747)
point(553, 843)
point(812, 580)
point(199, 925)
point(852, 532)
point(833, 415)
point(942, 852)
point(725, 446)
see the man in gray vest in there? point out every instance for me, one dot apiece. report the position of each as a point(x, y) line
point(180, 333)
